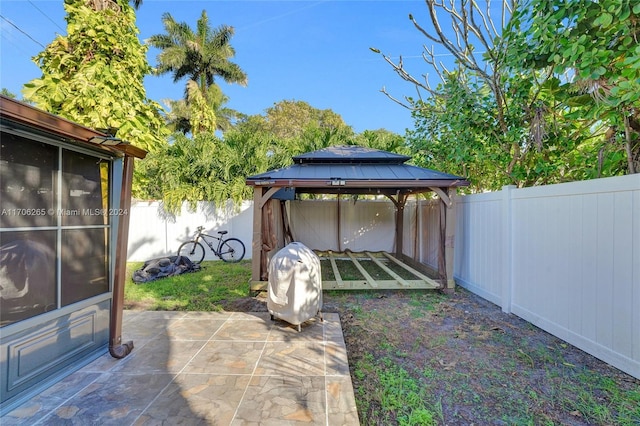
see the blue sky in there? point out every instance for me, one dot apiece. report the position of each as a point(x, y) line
point(317, 52)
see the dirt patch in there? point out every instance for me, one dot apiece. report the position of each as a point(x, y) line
point(246, 304)
point(467, 362)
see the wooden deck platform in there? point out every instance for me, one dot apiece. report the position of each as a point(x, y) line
point(365, 271)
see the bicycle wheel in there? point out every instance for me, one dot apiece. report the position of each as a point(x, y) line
point(231, 250)
point(193, 250)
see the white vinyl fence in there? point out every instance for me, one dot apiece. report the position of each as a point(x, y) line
point(154, 233)
point(564, 257)
point(363, 225)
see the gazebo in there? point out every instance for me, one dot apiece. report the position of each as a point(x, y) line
point(357, 171)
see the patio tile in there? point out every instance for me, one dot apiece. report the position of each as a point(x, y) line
point(336, 361)
point(281, 401)
point(193, 329)
point(106, 362)
point(143, 327)
point(341, 407)
point(226, 357)
point(117, 400)
point(311, 331)
point(197, 399)
point(207, 368)
point(333, 328)
point(160, 356)
point(41, 405)
point(291, 359)
point(251, 316)
point(208, 315)
point(255, 329)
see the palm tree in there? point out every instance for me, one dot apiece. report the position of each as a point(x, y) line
point(200, 56)
point(201, 113)
point(111, 4)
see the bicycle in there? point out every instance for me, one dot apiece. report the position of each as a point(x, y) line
point(229, 250)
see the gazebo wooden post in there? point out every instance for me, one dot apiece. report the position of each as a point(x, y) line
point(117, 348)
point(256, 243)
point(402, 199)
point(450, 236)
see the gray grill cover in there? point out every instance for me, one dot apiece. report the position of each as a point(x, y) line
point(295, 284)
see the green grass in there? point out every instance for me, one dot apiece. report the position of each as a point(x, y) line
point(399, 396)
point(195, 291)
point(619, 407)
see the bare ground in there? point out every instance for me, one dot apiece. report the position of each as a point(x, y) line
point(467, 363)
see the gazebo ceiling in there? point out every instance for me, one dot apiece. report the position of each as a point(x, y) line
point(355, 170)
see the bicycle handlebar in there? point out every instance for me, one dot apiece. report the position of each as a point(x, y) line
point(201, 228)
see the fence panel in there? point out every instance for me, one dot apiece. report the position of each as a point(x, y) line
point(362, 224)
point(479, 245)
point(569, 261)
point(153, 232)
point(429, 229)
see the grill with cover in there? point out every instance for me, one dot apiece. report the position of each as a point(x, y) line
point(295, 284)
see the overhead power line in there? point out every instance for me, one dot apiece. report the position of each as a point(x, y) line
point(23, 32)
point(47, 16)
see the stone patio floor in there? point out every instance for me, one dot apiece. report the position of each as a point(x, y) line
point(207, 368)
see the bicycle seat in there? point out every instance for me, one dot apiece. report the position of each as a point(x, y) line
point(200, 228)
point(222, 232)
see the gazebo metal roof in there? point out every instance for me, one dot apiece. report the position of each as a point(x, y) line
point(350, 154)
point(354, 169)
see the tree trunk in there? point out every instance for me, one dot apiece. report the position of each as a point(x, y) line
point(628, 145)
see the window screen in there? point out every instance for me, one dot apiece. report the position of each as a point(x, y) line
point(54, 227)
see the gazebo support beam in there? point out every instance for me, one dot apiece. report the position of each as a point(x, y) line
point(256, 243)
point(443, 195)
point(267, 196)
point(402, 200)
point(117, 348)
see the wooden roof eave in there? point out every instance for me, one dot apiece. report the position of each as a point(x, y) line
point(29, 116)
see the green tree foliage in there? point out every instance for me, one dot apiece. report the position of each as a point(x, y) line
point(471, 119)
point(199, 56)
point(6, 92)
point(594, 48)
point(455, 142)
point(490, 118)
point(294, 127)
point(206, 112)
point(94, 75)
point(289, 118)
point(382, 139)
point(204, 168)
point(209, 168)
